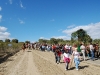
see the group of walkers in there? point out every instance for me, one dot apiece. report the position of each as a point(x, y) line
point(76, 53)
point(73, 53)
point(70, 53)
point(26, 46)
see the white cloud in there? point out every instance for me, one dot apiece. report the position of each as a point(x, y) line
point(44, 38)
point(10, 1)
point(21, 21)
point(60, 37)
point(0, 18)
point(4, 34)
point(56, 37)
point(71, 26)
point(41, 37)
point(2, 29)
point(92, 29)
point(21, 5)
point(0, 8)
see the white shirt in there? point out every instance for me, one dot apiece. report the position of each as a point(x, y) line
point(91, 47)
point(67, 47)
point(82, 48)
point(66, 55)
point(76, 54)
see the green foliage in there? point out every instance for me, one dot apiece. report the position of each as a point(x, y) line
point(15, 40)
point(80, 36)
point(96, 41)
point(9, 47)
point(27, 41)
point(54, 41)
point(43, 41)
point(1, 41)
point(7, 40)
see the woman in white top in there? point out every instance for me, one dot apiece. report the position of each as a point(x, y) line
point(92, 51)
point(82, 47)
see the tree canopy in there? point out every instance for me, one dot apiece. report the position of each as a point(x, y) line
point(14, 40)
point(80, 36)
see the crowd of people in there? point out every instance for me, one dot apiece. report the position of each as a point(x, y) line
point(69, 52)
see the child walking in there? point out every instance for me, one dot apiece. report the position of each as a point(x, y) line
point(76, 57)
point(57, 55)
point(66, 59)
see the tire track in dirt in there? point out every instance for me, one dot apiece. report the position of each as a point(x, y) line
point(31, 69)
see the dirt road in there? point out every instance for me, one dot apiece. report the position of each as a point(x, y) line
point(33, 62)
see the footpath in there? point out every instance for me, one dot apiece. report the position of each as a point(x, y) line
point(34, 62)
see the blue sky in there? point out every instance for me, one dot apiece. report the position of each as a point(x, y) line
point(44, 19)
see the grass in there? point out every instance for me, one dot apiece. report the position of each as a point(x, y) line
point(9, 49)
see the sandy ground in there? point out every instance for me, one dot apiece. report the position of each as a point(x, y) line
point(34, 62)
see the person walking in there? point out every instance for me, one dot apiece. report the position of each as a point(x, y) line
point(66, 58)
point(82, 47)
point(91, 51)
point(23, 47)
point(57, 54)
point(97, 50)
point(76, 57)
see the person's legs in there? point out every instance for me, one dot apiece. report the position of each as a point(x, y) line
point(97, 54)
point(59, 58)
point(66, 66)
point(76, 63)
point(88, 55)
point(92, 55)
point(84, 55)
point(56, 59)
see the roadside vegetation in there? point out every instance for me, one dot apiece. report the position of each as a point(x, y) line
point(9, 48)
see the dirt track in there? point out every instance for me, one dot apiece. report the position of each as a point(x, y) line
point(33, 62)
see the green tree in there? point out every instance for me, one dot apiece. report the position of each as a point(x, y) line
point(1, 40)
point(27, 41)
point(87, 39)
point(7, 40)
point(43, 40)
point(96, 41)
point(53, 41)
point(80, 36)
point(15, 40)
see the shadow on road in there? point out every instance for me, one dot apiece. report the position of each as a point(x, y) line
point(29, 51)
point(80, 67)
